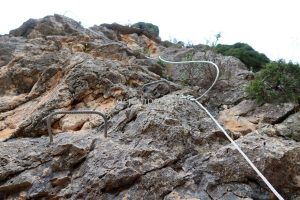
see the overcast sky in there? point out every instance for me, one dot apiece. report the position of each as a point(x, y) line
point(271, 27)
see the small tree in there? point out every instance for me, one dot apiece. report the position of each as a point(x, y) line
point(276, 82)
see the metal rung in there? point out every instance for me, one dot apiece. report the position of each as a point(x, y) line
point(154, 82)
point(49, 119)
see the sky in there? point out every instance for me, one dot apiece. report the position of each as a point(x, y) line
point(270, 27)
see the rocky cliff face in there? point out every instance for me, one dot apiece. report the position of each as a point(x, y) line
point(167, 148)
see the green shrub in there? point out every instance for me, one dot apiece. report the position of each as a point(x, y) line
point(276, 82)
point(150, 28)
point(251, 58)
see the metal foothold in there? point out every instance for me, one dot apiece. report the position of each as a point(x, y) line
point(49, 119)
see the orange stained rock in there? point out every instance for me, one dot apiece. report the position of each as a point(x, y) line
point(6, 133)
point(106, 105)
point(135, 82)
point(117, 91)
point(236, 124)
point(152, 46)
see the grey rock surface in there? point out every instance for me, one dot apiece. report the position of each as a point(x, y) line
point(290, 127)
point(50, 25)
point(248, 116)
point(166, 148)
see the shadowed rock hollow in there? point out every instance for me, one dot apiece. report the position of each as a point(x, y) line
point(166, 148)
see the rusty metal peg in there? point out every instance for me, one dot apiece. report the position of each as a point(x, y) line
point(49, 119)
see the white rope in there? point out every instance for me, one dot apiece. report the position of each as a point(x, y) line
point(237, 147)
point(198, 61)
point(216, 122)
point(191, 98)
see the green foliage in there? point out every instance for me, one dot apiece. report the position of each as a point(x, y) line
point(211, 44)
point(150, 28)
point(161, 63)
point(251, 58)
point(276, 82)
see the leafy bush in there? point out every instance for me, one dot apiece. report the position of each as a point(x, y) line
point(276, 82)
point(251, 58)
point(150, 28)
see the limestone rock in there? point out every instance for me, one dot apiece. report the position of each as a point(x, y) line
point(50, 25)
point(166, 148)
point(269, 154)
point(290, 127)
point(247, 116)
